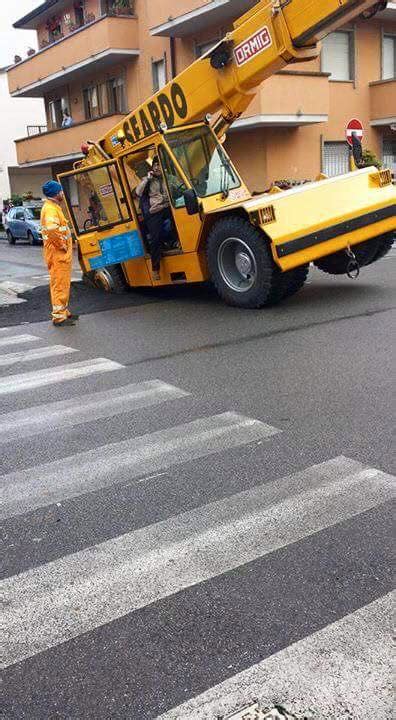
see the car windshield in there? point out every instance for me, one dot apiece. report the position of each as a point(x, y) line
point(33, 213)
point(204, 161)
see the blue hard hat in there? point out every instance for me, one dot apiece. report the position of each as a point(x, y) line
point(52, 188)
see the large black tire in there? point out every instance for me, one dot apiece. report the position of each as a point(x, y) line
point(10, 238)
point(111, 279)
point(291, 282)
point(233, 243)
point(365, 252)
point(385, 243)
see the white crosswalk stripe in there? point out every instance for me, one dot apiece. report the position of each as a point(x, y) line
point(17, 340)
point(61, 373)
point(93, 406)
point(345, 665)
point(120, 575)
point(35, 354)
point(99, 468)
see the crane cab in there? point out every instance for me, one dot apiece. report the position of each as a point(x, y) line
point(106, 212)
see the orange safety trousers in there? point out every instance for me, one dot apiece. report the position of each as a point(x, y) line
point(59, 265)
point(58, 255)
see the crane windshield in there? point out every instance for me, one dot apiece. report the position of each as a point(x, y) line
point(203, 160)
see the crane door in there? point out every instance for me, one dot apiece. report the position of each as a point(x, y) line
point(101, 217)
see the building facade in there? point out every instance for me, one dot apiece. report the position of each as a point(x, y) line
point(15, 115)
point(98, 59)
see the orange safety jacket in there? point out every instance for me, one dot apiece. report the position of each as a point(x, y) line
point(54, 227)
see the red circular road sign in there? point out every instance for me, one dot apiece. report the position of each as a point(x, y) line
point(354, 126)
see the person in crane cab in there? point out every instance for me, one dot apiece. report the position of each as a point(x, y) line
point(154, 202)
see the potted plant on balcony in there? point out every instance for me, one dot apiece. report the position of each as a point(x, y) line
point(31, 51)
point(121, 7)
point(54, 27)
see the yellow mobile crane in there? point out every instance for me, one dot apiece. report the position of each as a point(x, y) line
point(256, 250)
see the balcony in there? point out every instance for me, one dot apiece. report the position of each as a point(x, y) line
point(289, 99)
point(383, 103)
point(59, 146)
point(212, 12)
point(102, 42)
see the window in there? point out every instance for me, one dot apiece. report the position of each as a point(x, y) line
point(91, 102)
point(96, 101)
point(335, 158)
point(33, 213)
point(55, 111)
point(389, 153)
point(389, 57)
point(203, 48)
point(19, 215)
point(203, 161)
point(176, 185)
point(116, 95)
point(337, 55)
point(159, 74)
point(100, 198)
point(79, 12)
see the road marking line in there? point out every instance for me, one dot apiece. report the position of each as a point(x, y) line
point(64, 598)
point(17, 340)
point(102, 467)
point(344, 665)
point(35, 354)
point(94, 406)
point(49, 376)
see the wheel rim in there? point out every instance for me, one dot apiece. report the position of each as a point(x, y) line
point(237, 264)
point(104, 280)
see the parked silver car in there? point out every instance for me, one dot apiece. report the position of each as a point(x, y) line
point(23, 223)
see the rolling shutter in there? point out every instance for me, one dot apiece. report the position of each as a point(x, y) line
point(335, 158)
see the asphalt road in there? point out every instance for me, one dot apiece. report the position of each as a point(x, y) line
point(197, 501)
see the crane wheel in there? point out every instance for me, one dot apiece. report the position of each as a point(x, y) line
point(290, 283)
point(111, 279)
point(365, 252)
point(385, 243)
point(241, 265)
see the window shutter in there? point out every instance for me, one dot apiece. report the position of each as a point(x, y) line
point(336, 55)
point(389, 154)
point(388, 62)
point(335, 158)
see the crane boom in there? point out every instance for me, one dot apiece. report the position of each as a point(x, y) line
point(264, 40)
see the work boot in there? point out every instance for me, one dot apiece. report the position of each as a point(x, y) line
point(73, 316)
point(64, 323)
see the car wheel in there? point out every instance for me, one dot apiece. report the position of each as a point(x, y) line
point(31, 239)
point(10, 238)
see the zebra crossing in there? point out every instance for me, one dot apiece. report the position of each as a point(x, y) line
point(160, 568)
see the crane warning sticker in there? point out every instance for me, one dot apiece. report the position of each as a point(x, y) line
point(251, 47)
point(106, 190)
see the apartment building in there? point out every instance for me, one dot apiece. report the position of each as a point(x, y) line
point(100, 58)
point(14, 114)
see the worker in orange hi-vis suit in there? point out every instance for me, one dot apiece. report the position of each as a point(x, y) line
point(57, 253)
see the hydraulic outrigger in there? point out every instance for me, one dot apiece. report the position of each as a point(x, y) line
point(256, 250)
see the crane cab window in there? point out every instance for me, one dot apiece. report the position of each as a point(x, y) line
point(203, 161)
point(176, 185)
point(101, 202)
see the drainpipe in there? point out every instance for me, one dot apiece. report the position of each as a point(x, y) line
point(172, 48)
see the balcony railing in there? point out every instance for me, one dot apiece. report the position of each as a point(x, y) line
point(67, 29)
point(58, 144)
point(105, 41)
point(36, 130)
point(383, 102)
